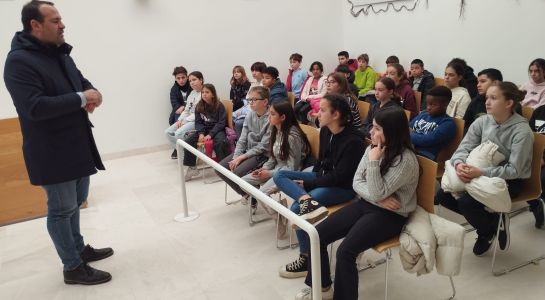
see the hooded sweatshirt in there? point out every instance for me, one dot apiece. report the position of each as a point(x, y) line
point(430, 135)
point(535, 94)
point(514, 138)
point(254, 138)
point(336, 161)
point(365, 80)
point(278, 92)
point(408, 101)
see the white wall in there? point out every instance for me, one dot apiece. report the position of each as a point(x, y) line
point(128, 49)
point(504, 34)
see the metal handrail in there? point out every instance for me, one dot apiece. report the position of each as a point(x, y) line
point(186, 215)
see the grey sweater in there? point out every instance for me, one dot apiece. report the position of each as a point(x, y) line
point(399, 181)
point(514, 138)
point(254, 138)
point(295, 158)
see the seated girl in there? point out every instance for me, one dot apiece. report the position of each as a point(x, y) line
point(210, 122)
point(535, 88)
point(510, 131)
point(386, 97)
point(314, 89)
point(403, 89)
point(239, 87)
point(186, 121)
point(329, 183)
point(386, 197)
point(454, 80)
point(338, 84)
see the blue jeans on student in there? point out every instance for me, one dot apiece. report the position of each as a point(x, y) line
point(326, 196)
point(63, 202)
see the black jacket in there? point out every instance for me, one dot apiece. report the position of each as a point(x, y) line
point(471, 82)
point(476, 108)
point(338, 159)
point(427, 82)
point(58, 144)
point(238, 93)
point(211, 122)
point(178, 94)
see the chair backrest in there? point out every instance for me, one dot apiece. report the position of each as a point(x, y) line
point(446, 153)
point(408, 114)
point(531, 187)
point(291, 97)
point(418, 97)
point(228, 104)
point(363, 108)
point(439, 81)
point(425, 191)
point(527, 112)
point(313, 136)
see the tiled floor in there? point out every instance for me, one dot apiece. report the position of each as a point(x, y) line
point(218, 256)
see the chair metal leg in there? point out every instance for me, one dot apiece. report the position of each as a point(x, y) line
point(453, 288)
point(500, 272)
point(225, 198)
point(388, 258)
point(251, 213)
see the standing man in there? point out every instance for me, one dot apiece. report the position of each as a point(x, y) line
point(52, 99)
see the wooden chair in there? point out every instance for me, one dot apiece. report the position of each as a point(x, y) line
point(228, 104)
point(527, 112)
point(425, 194)
point(531, 190)
point(363, 108)
point(291, 98)
point(439, 81)
point(408, 113)
point(418, 97)
point(447, 151)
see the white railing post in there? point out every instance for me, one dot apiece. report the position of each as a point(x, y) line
point(259, 195)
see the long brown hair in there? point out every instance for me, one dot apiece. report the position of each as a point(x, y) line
point(202, 106)
point(342, 81)
point(243, 79)
point(284, 108)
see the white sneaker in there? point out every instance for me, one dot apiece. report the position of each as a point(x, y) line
point(306, 294)
point(191, 172)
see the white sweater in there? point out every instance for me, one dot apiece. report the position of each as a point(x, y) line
point(458, 104)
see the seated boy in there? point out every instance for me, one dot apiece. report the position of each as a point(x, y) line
point(178, 93)
point(486, 78)
point(277, 89)
point(421, 80)
point(296, 75)
point(365, 76)
point(433, 129)
point(349, 77)
point(239, 114)
point(344, 59)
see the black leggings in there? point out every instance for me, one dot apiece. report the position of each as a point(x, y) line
point(363, 225)
point(474, 211)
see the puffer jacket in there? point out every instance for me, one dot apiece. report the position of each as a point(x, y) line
point(428, 240)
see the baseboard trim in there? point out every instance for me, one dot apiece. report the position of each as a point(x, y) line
point(134, 152)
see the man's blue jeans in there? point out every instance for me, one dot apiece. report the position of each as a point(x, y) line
point(63, 202)
point(326, 196)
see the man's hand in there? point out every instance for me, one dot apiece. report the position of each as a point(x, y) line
point(94, 99)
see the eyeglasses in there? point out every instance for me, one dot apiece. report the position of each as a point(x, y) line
point(329, 81)
point(251, 100)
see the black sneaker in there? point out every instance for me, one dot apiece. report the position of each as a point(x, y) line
point(90, 254)
point(295, 269)
point(538, 214)
point(503, 235)
point(312, 211)
point(84, 274)
point(482, 244)
point(174, 154)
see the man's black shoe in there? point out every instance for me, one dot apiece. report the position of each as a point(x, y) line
point(84, 274)
point(90, 254)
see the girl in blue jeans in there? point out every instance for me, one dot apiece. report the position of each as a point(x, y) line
point(330, 181)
